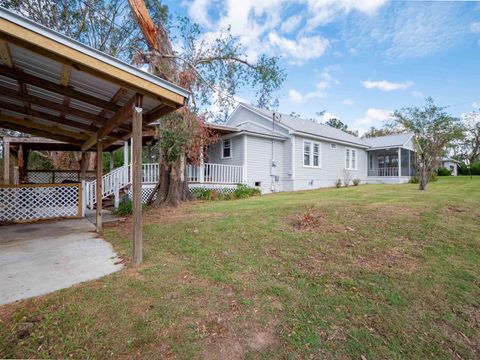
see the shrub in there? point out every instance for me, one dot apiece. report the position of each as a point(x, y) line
point(243, 191)
point(474, 168)
point(201, 193)
point(443, 172)
point(414, 179)
point(356, 182)
point(338, 183)
point(126, 208)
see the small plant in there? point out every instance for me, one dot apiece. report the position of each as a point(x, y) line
point(356, 182)
point(126, 208)
point(308, 220)
point(347, 177)
point(338, 183)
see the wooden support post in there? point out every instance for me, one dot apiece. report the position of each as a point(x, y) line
point(125, 153)
point(99, 185)
point(111, 160)
point(83, 166)
point(399, 162)
point(6, 162)
point(21, 164)
point(137, 184)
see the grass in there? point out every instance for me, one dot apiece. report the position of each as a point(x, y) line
point(381, 271)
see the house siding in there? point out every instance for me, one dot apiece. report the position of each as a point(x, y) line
point(332, 165)
point(259, 161)
point(215, 151)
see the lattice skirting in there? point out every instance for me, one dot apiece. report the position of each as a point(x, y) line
point(48, 177)
point(25, 203)
point(148, 188)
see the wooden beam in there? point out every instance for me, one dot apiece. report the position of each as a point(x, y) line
point(115, 99)
point(6, 162)
point(29, 124)
point(23, 129)
point(65, 81)
point(115, 121)
point(35, 100)
point(56, 88)
point(99, 187)
point(47, 117)
point(63, 53)
point(137, 184)
point(5, 53)
point(157, 113)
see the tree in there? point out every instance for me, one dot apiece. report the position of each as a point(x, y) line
point(338, 124)
point(384, 131)
point(434, 131)
point(468, 148)
point(213, 69)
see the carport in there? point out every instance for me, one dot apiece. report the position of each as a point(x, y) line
point(39, 258)
point(54, 87)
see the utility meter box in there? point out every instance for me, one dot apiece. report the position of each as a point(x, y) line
point(274, 168)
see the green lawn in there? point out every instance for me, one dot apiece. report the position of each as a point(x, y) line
point(383, 271)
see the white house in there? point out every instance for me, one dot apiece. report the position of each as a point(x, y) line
point(450, 164)
point(279, 152)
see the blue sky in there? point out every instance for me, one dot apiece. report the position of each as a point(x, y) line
point(359, 60)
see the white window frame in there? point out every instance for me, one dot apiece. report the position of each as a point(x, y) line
point(350, 151)
point(311, 153)
point(222, 148)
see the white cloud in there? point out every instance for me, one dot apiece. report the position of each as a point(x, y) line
point(327, 116)
point(418, 94)
point(409, 29)
point(476, 104)
point(386, 85)
point(299, 50)
point(372, 117)
point(326, 81)
point(475, 27)
point(291, 23)
point(198, 11)
point(322, 12)
point(348, 102)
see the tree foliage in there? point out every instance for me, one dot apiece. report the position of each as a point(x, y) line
point(434, 131)
point(338, 124)
point(383, 131)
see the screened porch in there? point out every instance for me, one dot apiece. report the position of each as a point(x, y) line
point(392, 162)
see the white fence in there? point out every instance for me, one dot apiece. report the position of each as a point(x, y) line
point(34, 202)
point(387, 171)
point(121, 177)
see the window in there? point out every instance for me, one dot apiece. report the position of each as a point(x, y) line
point(311, 154)
point(227, 148)
point(350, 159)
point(316, 153)
point(370, 156)
point(306, 153)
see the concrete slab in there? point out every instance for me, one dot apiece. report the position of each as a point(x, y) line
point(39, 258)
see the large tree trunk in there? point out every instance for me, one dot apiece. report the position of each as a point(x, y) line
point(422, 175)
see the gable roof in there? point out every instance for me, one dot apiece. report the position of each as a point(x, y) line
point(396, 140)
point(308, 127)
point(253, 128)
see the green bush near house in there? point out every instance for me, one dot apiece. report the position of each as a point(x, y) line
point(241, 192)
point(474, 169)
point(443, 172)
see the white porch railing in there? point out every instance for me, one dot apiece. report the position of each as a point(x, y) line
point(387, 171)
point(121, 177)
point(215, 173)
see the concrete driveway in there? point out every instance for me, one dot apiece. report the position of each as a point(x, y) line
point(36, 259)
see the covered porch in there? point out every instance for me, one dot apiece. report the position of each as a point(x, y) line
point(390, 165)
point(54, 87)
